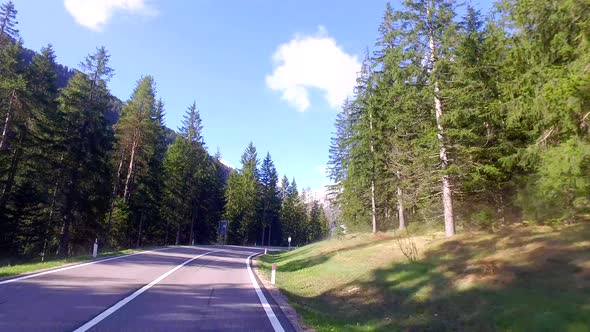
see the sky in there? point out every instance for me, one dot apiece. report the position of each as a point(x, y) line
point(274, 73)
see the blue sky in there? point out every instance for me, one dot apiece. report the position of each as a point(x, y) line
point(270, 72)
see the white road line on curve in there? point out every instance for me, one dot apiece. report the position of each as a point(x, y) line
point(77, 266)
point(274, 321)
point(129, 298)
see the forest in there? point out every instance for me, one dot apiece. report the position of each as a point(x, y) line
point(78, 165)
point(459, 118)
point(469, 120)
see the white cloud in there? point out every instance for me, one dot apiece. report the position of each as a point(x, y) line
point(226, 163)
point(94, 14)
point(313, 62)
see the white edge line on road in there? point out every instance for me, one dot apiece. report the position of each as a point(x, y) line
point(135, 294)
point(267, 308)
point(28, 276)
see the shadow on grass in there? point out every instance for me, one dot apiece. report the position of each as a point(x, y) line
point(515, 280)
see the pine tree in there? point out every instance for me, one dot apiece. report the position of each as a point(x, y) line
point(192, 128)
point(193, 194)
point(8, 23)
point(317, 222)
point(192, 132)
point(545, 97)
point(151, 192)
point(13, 89)
point(293, 214)
point(135, 133)
point(34, 177)
point(250, 225)
point(427, 36)
point(233, 211)
point(16, 115)
point(270, 202)
point(176, 207)
point(23, 198)
point(85, 146)
point(474, 121)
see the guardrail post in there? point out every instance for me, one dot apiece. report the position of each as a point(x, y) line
point(95, 248)
point(273, 275)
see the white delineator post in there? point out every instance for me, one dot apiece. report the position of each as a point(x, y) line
point(265, 251)
point(273, 275)
point(95, 249)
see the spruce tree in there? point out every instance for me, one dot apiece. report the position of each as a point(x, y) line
point(85, 145)
point(8, 30)
point(270, 202)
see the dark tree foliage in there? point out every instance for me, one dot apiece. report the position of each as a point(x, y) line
point(497, 106)
point(8, 30)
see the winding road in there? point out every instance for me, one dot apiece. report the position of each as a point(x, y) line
point(202, 288)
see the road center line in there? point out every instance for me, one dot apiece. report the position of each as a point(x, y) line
point(274, 321)
point(129, 298)
point(77, 266)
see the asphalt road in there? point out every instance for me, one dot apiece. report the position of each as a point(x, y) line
point(175, 289)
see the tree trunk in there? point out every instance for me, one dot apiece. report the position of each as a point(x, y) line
point(140, 229)
point(193, 221)
point(166, 233)
point(4, 139)
point(113, 196)
point(178, 235)
point(64, 242)
point(447, 195)
point(400, 210)
point(373, 205)
point(49, 220)
point(130, 172)
point(400, 203)
point(269, 232)
point(12, 171)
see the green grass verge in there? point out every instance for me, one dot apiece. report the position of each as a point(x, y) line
point(518, 279)
point(14, 270)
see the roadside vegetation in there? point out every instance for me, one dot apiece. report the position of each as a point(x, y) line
point(520, 278)
point(78, 164)
point(16, 269)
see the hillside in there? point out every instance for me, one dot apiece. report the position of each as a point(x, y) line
point(517, 279)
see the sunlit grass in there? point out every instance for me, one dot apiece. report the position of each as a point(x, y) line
point(517, 279)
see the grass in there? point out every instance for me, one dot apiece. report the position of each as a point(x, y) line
point(13, 270)
point(517, 279)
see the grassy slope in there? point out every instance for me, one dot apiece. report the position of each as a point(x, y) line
point(9, 271)
point(518, 279)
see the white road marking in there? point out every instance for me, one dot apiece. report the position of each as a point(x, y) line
point(267, 308)
point(129, 298)
point(76, 266)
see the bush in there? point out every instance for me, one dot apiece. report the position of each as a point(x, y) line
point(484, 219)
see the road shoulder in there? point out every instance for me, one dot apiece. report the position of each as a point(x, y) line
point(280, 299)
point(74, 264)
